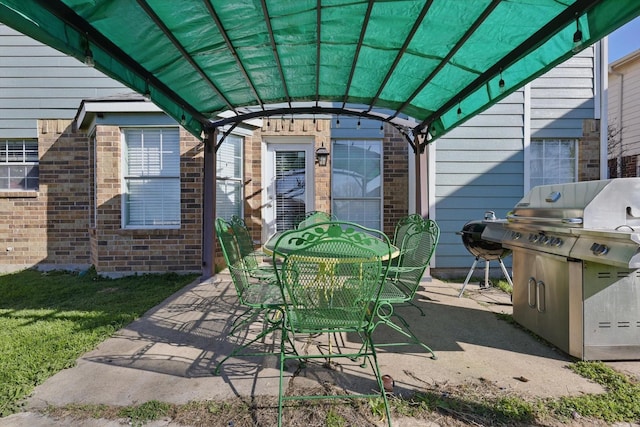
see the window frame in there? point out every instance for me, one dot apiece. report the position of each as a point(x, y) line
point(379, 198)
point(234, 180)
point(126, 177)
point(545, 175)
point(28, 165)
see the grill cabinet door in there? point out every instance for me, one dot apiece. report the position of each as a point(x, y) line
point(541, 295)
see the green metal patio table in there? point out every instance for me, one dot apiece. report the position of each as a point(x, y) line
point(380, 247)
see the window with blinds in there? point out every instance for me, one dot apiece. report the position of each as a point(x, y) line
point(151, 180)
point(19, 165)
point(229, 178)
point(356, 167)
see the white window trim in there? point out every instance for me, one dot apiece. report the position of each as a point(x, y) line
point(268, 147)
point(381, 208)
point(123, 189)
point(25, 163)
point(240, 180)
point(576, 141)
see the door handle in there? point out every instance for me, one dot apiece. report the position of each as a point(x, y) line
point(540, 301)
point(531, 292)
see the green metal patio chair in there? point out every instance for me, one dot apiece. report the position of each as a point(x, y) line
point(417, 246)
point(330, 275)
point(262, 299)
point(252, 258)
point(313, 217)
point(400, 230)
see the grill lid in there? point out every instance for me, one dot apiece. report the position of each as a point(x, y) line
point(607, 204)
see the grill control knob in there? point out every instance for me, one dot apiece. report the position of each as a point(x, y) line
point(515, 235)
point(599, 249)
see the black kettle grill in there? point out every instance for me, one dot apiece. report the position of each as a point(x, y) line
point(483, 249)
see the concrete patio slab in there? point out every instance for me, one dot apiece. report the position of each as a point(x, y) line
point(169, 354)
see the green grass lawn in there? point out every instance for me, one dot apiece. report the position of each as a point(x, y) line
point(47, 320)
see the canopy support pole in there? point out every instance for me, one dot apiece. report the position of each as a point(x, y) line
point(418, 143)
point(209, 205)
point(422, 176)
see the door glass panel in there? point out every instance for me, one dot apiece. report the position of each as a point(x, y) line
point(290, 188)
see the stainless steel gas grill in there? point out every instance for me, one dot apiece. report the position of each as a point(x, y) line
point(576, 266)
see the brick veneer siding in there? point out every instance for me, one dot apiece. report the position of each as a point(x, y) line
point(59, 227)
point(396, 178)
point(629, 167)
point(118, 251)
point(589, 151)
point(48, 228)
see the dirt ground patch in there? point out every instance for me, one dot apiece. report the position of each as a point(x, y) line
point(481, 403)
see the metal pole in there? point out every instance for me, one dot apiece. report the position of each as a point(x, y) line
point(209, 205)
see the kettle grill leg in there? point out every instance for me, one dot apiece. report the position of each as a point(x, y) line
point(505, 272)
point(466, 281)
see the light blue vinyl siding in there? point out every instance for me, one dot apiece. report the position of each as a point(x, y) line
point(563, 97)
point(38, 82)
point(480, 166)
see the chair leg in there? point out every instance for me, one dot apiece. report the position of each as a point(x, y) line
point(273, 326)
point(250, 315)
point(418, 307)
point(238, 350)
point(378, 375)
point(370, 354)
point(385, 313)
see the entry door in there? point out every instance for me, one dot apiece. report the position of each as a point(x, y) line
point(289, 184)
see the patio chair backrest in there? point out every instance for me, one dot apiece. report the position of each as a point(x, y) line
point(403, 226)
point(243, 236)
point(416, 249)
point(331, 277)
point(313, 217)
point(228, 243)
point(232, 256)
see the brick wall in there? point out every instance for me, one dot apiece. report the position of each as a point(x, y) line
point(589, 151)
point(118, 251)
point(74, 220)
point(48, 228)
point(629, 167)
point(396, 178)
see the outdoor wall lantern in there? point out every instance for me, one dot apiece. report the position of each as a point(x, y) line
point(322, 155)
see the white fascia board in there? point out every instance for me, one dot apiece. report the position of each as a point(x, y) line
point(625, 59)
point(88, 109)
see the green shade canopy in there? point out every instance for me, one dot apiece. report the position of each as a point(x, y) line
point(428, 64)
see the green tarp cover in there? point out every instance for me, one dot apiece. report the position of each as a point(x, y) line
point(438, 61)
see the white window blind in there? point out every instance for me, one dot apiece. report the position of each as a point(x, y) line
point(151, 178)
point(19, 165)
point(229, 178)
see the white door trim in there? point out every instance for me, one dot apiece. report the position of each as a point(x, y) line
point(269, 146)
